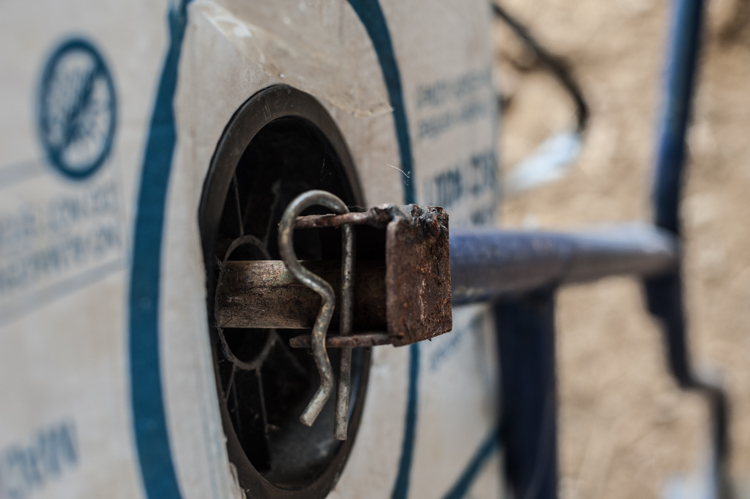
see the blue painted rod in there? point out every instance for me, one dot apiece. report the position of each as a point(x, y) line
point(679, 89)
point(490, 263)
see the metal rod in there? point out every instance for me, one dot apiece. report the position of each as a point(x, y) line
point(526, 344)
point(664, 294)
point(486, 264)
point(490, 263)
point(319, 285)
point(377, 216)
point(679, 88)
point(355, 341)
point(341, 416)
point(263, 294)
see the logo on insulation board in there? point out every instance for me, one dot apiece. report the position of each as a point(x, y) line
point(62, 228)
point(77, 109)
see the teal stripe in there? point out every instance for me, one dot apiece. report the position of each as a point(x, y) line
point(149, 420)
point(467, 478)
point(373, 19)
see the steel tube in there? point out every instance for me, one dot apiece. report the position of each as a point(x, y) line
point(486, 264)
point(490, 263)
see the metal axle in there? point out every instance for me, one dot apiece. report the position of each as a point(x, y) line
point(485, 264)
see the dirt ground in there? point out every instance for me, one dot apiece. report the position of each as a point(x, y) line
point(625, 428)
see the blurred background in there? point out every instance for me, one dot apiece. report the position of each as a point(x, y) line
point(625, 428)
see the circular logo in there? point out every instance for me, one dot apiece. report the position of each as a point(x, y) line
point(77, 109)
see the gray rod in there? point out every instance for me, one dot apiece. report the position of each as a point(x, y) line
point(490, 263)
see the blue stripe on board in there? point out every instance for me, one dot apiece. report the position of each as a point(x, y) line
point(462, 486)
point(373, 19)
point(401, 487)
point(150, 425)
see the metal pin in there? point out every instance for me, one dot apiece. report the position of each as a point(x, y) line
point(320, 286)
point(347, 306)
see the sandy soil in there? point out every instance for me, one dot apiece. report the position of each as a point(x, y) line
point(625, 427)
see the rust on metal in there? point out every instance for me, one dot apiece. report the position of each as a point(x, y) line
point(377, 216)
point(417, 276)
point(263, 294)
point(355, 341)
point(408, 295)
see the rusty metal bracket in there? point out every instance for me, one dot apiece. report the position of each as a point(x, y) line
point(417, 268)
point(407, 297)
point(417, 281)
point(418, 276)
